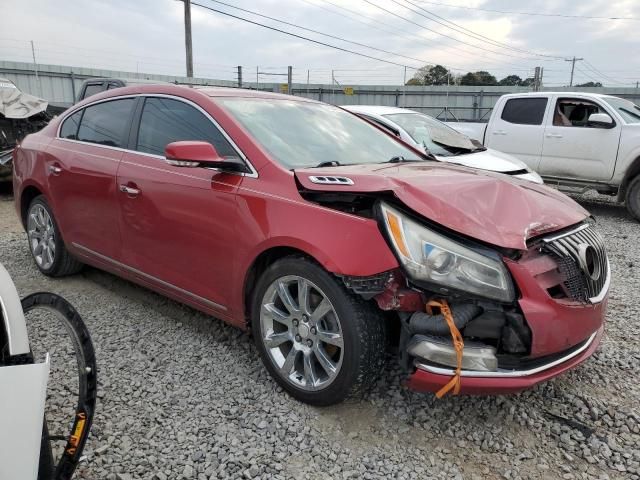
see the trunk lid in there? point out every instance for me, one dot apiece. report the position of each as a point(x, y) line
point(490, 207)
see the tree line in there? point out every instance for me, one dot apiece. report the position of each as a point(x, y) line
point(439, 75)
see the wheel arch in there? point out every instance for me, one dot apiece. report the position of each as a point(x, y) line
point(26, 197)
point(631, 173)
point(260, 263)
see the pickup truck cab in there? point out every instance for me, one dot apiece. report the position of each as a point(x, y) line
point(576, 141)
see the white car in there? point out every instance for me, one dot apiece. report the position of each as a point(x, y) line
point(446, 144)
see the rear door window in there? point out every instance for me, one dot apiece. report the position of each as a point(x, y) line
point(106, 123)
point(165, 120)
point(70, 126)
point(524, 111)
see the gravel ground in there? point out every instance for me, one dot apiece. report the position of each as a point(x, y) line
point(184, 396)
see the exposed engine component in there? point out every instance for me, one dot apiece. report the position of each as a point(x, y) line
point(516, 335)
point(421, 322)
point(488, 325)
point(477, 356)
point(368, 287)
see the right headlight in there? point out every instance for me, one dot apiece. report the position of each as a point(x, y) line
point(431, 257)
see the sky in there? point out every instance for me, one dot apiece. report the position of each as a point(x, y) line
point(147, 36)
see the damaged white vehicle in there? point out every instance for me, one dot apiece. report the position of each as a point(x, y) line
point(446, 144)
point(20, 115)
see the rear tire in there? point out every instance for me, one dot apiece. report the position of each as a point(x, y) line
point(45, 241)
point(632, 197)
point(321, 350)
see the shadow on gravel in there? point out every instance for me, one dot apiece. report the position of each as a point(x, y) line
point(6, 189)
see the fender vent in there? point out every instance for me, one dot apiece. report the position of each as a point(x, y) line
point(324, 180)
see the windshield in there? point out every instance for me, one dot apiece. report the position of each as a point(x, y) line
point(437, 137)
point(304, 134)
point(629, 111)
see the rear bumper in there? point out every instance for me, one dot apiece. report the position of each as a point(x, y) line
point(429, 379)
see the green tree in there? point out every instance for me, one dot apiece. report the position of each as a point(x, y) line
point(527, 82)
point(480, 78)
point(430, 75)
point(510, 81)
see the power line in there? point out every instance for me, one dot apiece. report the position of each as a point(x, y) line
point(465, 31)
point(537, 14)
point(335, 37)
point(440, 33)
point(301, 37)
point(393, 31)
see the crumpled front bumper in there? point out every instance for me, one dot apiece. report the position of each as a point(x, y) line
point(429, 379)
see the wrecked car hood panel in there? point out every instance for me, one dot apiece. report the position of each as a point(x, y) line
point(16, 104)
point(484, 205)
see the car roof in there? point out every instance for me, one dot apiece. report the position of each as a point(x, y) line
point(560, 93)
point(376, 109)
point(189, 92)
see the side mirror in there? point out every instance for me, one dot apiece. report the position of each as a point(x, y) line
point(601, 120)
point(200, 154)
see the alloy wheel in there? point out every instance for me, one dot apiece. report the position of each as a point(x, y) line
point(42, 238)
point(301, 332)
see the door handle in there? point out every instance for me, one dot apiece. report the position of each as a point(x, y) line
point(499, 132)
point(132, 192)
point(553, 135)
point(54, 170)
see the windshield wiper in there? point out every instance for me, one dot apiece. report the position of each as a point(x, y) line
point(328, 163)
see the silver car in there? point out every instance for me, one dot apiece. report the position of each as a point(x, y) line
point(446, 144)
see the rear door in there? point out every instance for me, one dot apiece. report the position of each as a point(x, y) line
point(178, 223)
point(518, 128)
point(573, 148)
point(82, 168)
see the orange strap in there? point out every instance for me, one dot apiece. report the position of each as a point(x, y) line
point(458, 344)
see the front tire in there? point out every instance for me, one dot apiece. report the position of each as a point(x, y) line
point(319, 341)
point(45, 241)
point(632, 197)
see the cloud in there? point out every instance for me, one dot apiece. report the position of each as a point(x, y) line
point(148, 35)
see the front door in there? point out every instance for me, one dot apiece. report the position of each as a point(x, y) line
point(573, 148)
point(82, 168)
point(177, 222)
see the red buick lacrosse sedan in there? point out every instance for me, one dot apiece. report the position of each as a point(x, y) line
point(329, 239)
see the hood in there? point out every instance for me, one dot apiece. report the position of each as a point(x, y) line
point(492, 208)
point(488, 160)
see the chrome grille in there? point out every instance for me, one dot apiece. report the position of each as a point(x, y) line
point(582, 260)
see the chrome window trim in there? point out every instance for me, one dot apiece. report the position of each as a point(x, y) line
point(243, 157)
point(135, 271)
point(508, 373)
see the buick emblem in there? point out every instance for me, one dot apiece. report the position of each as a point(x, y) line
point(588, 257)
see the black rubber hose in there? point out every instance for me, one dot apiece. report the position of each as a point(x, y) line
point(421, 322)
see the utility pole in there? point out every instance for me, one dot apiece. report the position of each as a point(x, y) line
point(404, 87)
point(257, 76)
point(187, 37)
point(289, 79)
point(239, 76)
point(35, 67)
point(573, 66)
point(307, 83)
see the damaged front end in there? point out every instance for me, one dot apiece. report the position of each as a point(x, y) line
point(20, 115)
point(525, 293)
point(522, 317)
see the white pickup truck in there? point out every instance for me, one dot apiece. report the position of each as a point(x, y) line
point(576, 141)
